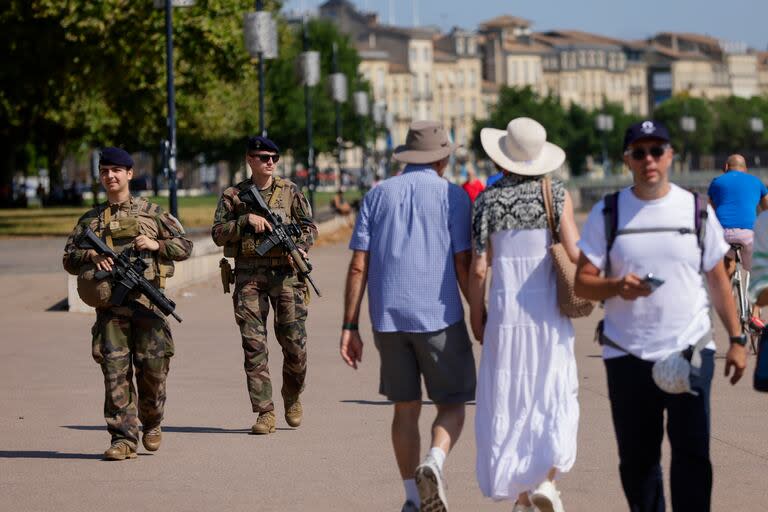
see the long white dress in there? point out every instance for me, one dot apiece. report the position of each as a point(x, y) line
point(527, 407)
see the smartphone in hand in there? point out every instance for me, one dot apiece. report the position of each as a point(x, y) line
point(652, 281)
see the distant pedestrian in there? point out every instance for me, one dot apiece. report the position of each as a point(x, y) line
point(655, 244)
point(412, 249)
point(493, 178)
point(737, 196)
point(527, 408)
point(473, 186)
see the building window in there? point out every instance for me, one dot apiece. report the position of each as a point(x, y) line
point(460, 45)
point(413, 54)
point(426, 54)
point(471, 46)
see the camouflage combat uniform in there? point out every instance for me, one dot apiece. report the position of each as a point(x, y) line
point(134, 338)
point(263, 280)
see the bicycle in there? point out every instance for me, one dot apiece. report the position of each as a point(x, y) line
point(740, 285)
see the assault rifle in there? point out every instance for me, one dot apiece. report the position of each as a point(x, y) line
point(127, 276)
point(281, 235)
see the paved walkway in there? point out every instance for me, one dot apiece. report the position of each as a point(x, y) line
point(52, 433)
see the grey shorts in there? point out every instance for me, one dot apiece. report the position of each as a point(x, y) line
point(444, 357)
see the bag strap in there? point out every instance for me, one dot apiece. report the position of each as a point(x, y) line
point(701, 214)
point(107, 219)
point(276, 192)
point(611, 223)
point(546, 189)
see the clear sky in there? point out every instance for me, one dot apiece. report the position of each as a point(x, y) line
point(734, 20)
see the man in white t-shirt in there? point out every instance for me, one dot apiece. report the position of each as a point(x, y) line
point(652, 317)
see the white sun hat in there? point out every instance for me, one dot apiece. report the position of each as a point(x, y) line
point(522, 148)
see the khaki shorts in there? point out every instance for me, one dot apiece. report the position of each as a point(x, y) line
point(444, 358)
point(745, 237)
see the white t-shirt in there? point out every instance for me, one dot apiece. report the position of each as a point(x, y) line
point(676, 314)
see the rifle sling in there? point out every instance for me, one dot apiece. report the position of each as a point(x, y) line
point(107, 220)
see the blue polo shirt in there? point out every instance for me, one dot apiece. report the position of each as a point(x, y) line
point(411, 226)
point(736, 196)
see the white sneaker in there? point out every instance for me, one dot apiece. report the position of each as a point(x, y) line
point(429, 481)
point(546, 498)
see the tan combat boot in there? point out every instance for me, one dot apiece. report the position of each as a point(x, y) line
point(151, 438)
point(265, 424)
point(120, 450)
point(293, 411)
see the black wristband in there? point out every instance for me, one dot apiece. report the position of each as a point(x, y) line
point(741, 339)
point(349, 326)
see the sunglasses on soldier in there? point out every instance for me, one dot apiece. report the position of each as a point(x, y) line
point(641, 153)
point(264, 157)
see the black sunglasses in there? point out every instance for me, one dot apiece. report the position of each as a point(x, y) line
point(265, 158)
point(654, 151)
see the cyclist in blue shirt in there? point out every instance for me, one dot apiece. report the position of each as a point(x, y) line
point(736, 197)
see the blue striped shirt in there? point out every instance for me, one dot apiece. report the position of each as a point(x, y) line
point(412, 225)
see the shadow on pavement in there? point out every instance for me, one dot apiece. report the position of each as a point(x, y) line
point(387, 402)
point(183, 430)
point(35, 454)
point(62, 305)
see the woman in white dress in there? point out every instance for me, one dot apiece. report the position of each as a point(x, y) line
point(527, 407)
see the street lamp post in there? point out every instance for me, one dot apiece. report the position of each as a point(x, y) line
point(362, 110)
point(757, 126)
point(310, 76)
point(339, 93)
point(170, 158)
point(688, 125)
point(604, 124)
point(260, 30)
point(379, 113)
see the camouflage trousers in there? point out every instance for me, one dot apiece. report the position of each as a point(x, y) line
point(128, 341)
point(255, 290)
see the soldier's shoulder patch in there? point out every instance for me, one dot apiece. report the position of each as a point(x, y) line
point(231, 192)
point(154, 209)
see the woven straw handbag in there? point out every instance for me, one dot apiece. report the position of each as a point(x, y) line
point(565, 270)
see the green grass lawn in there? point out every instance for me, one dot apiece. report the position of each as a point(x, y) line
point(195, 212)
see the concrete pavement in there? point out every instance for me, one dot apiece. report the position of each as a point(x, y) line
point(52, 432)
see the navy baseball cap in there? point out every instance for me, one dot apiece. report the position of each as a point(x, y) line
point(645, 130)
point(115, 156)
point(257, 142)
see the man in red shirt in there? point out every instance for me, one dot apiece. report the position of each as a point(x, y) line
point(473, 185)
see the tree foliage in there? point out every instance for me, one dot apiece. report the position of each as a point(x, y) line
point(85, 74)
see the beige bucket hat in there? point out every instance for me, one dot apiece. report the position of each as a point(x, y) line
point(425, 143)
point(522, 148)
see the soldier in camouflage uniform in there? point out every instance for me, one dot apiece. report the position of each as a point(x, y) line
point(271, 279)
point(134, 338)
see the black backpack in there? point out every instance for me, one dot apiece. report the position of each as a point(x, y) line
point(611, 219)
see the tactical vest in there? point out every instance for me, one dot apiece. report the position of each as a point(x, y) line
point(119, 234)
point(279, 202)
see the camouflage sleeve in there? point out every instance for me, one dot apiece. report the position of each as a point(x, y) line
point(226, 226)
point(74, 257)
point(302, 213)
point(174, 244)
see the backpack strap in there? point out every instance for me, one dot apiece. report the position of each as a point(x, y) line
point(611, 222)
point(701, 214)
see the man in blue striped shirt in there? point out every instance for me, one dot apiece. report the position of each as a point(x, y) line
point(412, 249)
